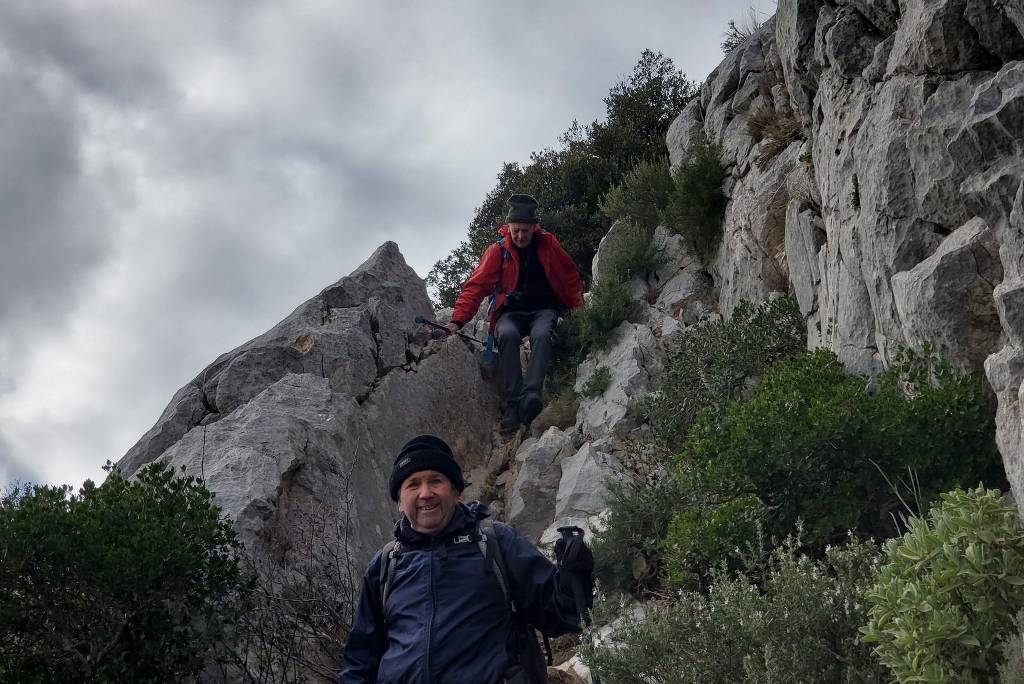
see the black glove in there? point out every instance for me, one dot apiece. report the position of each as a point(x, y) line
point(576, 568)
point(574, 556)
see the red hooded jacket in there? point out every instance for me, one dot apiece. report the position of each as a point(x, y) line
point(501, 261)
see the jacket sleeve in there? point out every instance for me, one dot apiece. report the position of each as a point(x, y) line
point(479, 285)
point(543, 597)
point(368, 639)
point(573, 282)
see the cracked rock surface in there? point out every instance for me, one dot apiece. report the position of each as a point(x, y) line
point(315, 409)
point(898, 202)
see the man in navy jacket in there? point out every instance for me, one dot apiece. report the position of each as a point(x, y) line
point(446, 618)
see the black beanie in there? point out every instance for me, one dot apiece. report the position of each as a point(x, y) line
point(522, 209)
point(425, 452)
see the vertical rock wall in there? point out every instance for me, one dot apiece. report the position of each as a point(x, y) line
point(894, 214)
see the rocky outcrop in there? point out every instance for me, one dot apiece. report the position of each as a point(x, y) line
point(313, 411)
point(891, 214)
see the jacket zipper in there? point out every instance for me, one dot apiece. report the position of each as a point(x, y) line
point(433, 612)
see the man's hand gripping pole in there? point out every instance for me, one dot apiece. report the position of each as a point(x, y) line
point(445, 329)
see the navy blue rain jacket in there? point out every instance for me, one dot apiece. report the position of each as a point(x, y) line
point(447, 620)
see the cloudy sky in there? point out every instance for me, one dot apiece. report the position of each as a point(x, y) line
point(176, 177)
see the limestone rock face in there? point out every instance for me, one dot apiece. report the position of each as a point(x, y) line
point(947, 298)
point(538, 472)
point(890, 215)
point(582, 488)
point(310, 414)
point(685, 287)
point(631, 358)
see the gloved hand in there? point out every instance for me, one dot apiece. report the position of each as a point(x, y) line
point(576, 568)
point(574, 556)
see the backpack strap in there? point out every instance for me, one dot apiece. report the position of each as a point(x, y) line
point(492, 551)
point(388, 554)
point(489, 351)
point(489, 547)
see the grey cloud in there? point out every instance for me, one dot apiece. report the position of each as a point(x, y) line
point(99, 49)
point(14, 471)
point(51, 228)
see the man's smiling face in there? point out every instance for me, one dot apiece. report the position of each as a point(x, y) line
point(428, 499)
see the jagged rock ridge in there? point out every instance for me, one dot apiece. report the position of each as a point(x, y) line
point(313, 411)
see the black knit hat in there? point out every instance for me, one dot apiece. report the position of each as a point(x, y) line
point(522, 209)
point(425, 452)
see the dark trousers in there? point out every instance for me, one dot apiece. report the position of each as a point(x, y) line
point(509, 332)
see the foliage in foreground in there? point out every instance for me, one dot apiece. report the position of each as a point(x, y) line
point(943, 609)
point(817, 444)
point(793, 620)
point(127, 581)
point(627, 551)
point(641, 195)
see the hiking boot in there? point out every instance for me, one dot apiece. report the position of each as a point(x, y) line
point(529, 406)
point(509, 420)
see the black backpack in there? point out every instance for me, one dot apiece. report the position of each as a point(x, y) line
point(529, 666)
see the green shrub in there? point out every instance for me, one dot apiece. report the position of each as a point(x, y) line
point(716, 362)
point(627, 551)
point(794, 620)
point(812, 442)
point(696, 205)
point(632, 257)
point(943, 609)
point(597, 383)
point(702, 537)
point(128, 581)
point(606, 309)
point(640, 195)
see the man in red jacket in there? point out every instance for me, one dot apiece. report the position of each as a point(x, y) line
point(532, 281)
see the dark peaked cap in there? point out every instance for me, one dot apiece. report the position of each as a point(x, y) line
point(425, 452)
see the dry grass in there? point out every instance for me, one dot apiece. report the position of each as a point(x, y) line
point(560, 412)
point(776, 128)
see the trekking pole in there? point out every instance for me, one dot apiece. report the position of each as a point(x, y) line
point(438, 326)
point(578, 592)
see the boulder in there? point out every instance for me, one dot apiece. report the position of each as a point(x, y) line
point(684, 130)
point(683, 287)
point(582, 489)
point(632, 357)
point(538, 470)
point(611, 244)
